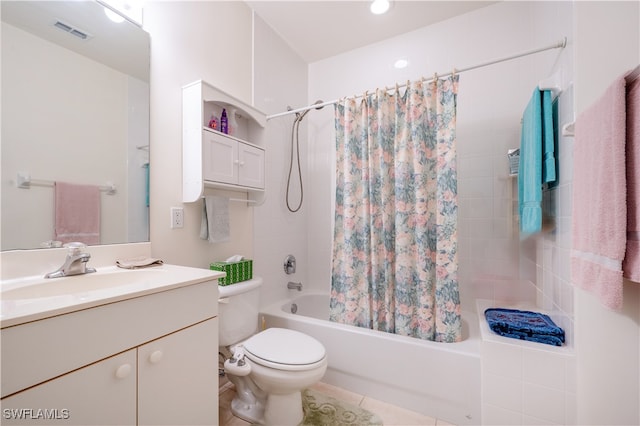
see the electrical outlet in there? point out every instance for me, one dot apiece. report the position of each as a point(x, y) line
point(177, 217)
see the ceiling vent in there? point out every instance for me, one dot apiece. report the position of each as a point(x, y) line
point(72, 30)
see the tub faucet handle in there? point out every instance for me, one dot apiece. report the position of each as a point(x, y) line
point(294, 286)
point(290, 264)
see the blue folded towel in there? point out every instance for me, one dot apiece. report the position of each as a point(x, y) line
point(524, 325)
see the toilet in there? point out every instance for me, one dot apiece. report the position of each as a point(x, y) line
point(269, 368)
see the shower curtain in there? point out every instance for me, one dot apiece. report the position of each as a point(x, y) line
point(395, 257)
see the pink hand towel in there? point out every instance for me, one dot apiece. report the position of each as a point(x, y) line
point(600, 197)
point(77, 213)
point(631, 264)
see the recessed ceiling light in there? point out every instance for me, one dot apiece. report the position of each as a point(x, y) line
point(121, 10)
point(378, 7)
point(113, 15)
point(401, 63)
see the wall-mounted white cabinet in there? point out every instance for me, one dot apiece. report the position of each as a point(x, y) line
point(227, 160)
point(212, 159)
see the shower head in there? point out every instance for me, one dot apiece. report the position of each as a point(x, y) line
point(300, 116)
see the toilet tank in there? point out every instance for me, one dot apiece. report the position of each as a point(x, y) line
point(238, 311)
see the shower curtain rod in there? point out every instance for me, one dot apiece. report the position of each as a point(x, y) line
point(557, 45)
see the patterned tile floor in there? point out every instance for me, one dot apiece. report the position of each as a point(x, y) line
point(391, 415)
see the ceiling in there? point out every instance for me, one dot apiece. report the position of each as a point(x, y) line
point(118, 45)
point(316, 30)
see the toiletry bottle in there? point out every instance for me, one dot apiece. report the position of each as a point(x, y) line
point(213, 122)
point(224, 126)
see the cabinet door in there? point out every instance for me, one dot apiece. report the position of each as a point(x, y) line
point(103, 393)
point(178, 377)
point(220, 158)
point(251, 166)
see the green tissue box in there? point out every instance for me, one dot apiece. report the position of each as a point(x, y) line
point(236, 271)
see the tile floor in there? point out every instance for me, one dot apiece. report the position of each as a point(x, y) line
point(390, 414)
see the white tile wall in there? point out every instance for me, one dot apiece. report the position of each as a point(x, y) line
point(280, 81)
point(525, 383)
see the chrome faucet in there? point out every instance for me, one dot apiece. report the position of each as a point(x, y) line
point(74, 264)
point(294, 286)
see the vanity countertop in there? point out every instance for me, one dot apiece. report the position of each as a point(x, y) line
point(34, 298)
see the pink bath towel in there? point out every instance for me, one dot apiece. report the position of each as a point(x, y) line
point(631, 264)
point(77, 213)
point(600, 197)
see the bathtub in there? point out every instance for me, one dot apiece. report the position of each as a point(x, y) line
point(440, 380)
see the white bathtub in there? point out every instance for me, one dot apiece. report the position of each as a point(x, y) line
point(440, 380)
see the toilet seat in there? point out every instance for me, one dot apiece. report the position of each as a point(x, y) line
point(284, 349)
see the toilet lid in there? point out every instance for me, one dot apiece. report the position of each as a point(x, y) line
point(283, 346)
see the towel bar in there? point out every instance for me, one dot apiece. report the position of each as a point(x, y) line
point(24, 181)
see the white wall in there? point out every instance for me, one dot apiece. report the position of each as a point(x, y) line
point(280, 81)
point(608, 343)
point(190, 41)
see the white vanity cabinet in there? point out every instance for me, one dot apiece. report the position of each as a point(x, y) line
point(211, 159)
point(147, 360)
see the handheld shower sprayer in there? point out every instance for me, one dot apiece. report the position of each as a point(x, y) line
point(300, 116)
point(295, 138)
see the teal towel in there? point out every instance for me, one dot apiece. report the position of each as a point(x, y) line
point(548, 140)
point(146, 184)
point(537, 160)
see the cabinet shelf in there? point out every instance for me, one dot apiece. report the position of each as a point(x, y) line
point(212, 159)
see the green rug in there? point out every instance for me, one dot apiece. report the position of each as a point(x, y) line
point(322, 410)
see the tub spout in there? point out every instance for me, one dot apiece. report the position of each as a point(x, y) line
point(294, 286)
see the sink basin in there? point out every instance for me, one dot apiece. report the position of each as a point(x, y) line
point(33, 298)
point(107, 278)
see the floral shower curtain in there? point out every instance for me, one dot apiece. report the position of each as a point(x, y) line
point(395, 257)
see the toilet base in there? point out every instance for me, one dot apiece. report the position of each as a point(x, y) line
point(250, 412)
point(249, 402)
point(283, 410)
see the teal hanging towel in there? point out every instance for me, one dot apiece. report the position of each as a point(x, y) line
point(537, 159)
point(146, 184)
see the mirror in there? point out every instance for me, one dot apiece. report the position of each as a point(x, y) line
point(75, 109)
